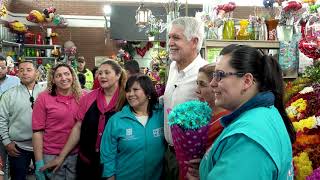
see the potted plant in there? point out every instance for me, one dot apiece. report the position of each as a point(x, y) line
point(151, 33)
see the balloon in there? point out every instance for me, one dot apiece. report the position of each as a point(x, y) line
point(56, 20)
point(268, 3)
point(48, 11)
point(68, 44)
point(35, 16)
point(18, 27)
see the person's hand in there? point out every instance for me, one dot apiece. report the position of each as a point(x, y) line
point(53, 164)
point(12, 150)
point(39, 174)
point(193, 169)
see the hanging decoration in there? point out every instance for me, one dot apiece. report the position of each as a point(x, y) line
point(48, 15)
point(308, 44)
point(142, 51)
point(35, 16)
point(3, 9)
point(18, 27)
point(70, 48)
point(142, 16)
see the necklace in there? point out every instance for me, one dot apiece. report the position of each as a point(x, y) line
point(31, 98)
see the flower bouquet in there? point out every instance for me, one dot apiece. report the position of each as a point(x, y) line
point(303, 110)
point(189, 123)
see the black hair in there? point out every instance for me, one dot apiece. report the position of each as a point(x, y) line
point(267, 73)
point(148, 88)
point(2, 58)
point(82, 80)
point(28, 61)
point(132, 66)
point(94, 70)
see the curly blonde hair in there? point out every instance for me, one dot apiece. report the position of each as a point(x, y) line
point(76, 88)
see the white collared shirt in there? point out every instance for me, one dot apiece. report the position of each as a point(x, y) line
point(180, 88)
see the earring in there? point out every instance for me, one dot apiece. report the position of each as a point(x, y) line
point(149, 97)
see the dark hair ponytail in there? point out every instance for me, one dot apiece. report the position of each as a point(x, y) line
point(267, 72)
point(271, 80)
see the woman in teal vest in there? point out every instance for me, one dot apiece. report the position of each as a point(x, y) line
point(133, 144)
point(257, 136)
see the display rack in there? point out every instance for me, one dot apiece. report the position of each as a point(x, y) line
point(210, 43)
point(5, 43)
point(253, 43)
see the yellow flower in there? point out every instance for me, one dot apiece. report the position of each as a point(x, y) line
point(300, 105)
point(304, 166)
point(292, 112)
point(309, 123)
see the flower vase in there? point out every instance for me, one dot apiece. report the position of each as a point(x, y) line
point(151, 38)
point(285, 33)
point(272, 28)
point(228, 30)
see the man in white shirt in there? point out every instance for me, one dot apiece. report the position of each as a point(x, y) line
point(185, 41)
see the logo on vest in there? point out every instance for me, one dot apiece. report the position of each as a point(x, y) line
point(129, 134)
point(158, 132)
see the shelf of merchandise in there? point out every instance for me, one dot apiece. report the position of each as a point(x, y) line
point(253, 43)
point(212, 43)
point(8, 43)
point(18, 46)
point(48, 58)
point(37, 46)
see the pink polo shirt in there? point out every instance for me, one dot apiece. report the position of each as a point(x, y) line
point(55, 115)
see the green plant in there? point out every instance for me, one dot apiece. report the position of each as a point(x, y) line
point(313, 72)
point(152, 32)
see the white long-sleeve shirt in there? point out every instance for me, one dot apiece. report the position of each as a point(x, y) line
point(181, 87)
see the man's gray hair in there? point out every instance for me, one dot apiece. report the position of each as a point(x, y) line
point(192, 28)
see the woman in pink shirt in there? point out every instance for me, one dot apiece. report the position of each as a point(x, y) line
point(53, 118)
point(94, 112)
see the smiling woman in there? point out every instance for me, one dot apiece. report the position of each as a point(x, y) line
point(133, 144)
point(54, 113)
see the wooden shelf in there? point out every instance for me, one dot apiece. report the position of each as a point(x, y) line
point(49, 58)
point(38, 46)
point(41, 46)
point(8, 43)
point(253, 43)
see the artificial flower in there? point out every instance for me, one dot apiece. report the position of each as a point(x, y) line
point(190, 115)
point(303, 166)
point(309, 123)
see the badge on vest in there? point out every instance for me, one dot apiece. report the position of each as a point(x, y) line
point(129, 134)
point(158, 132)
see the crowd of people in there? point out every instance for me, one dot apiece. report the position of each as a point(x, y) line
point(119, 130)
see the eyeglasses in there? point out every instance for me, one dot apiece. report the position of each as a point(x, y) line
point(3, 67)
point(218, 75)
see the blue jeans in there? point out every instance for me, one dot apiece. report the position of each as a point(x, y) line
point(19, 165)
